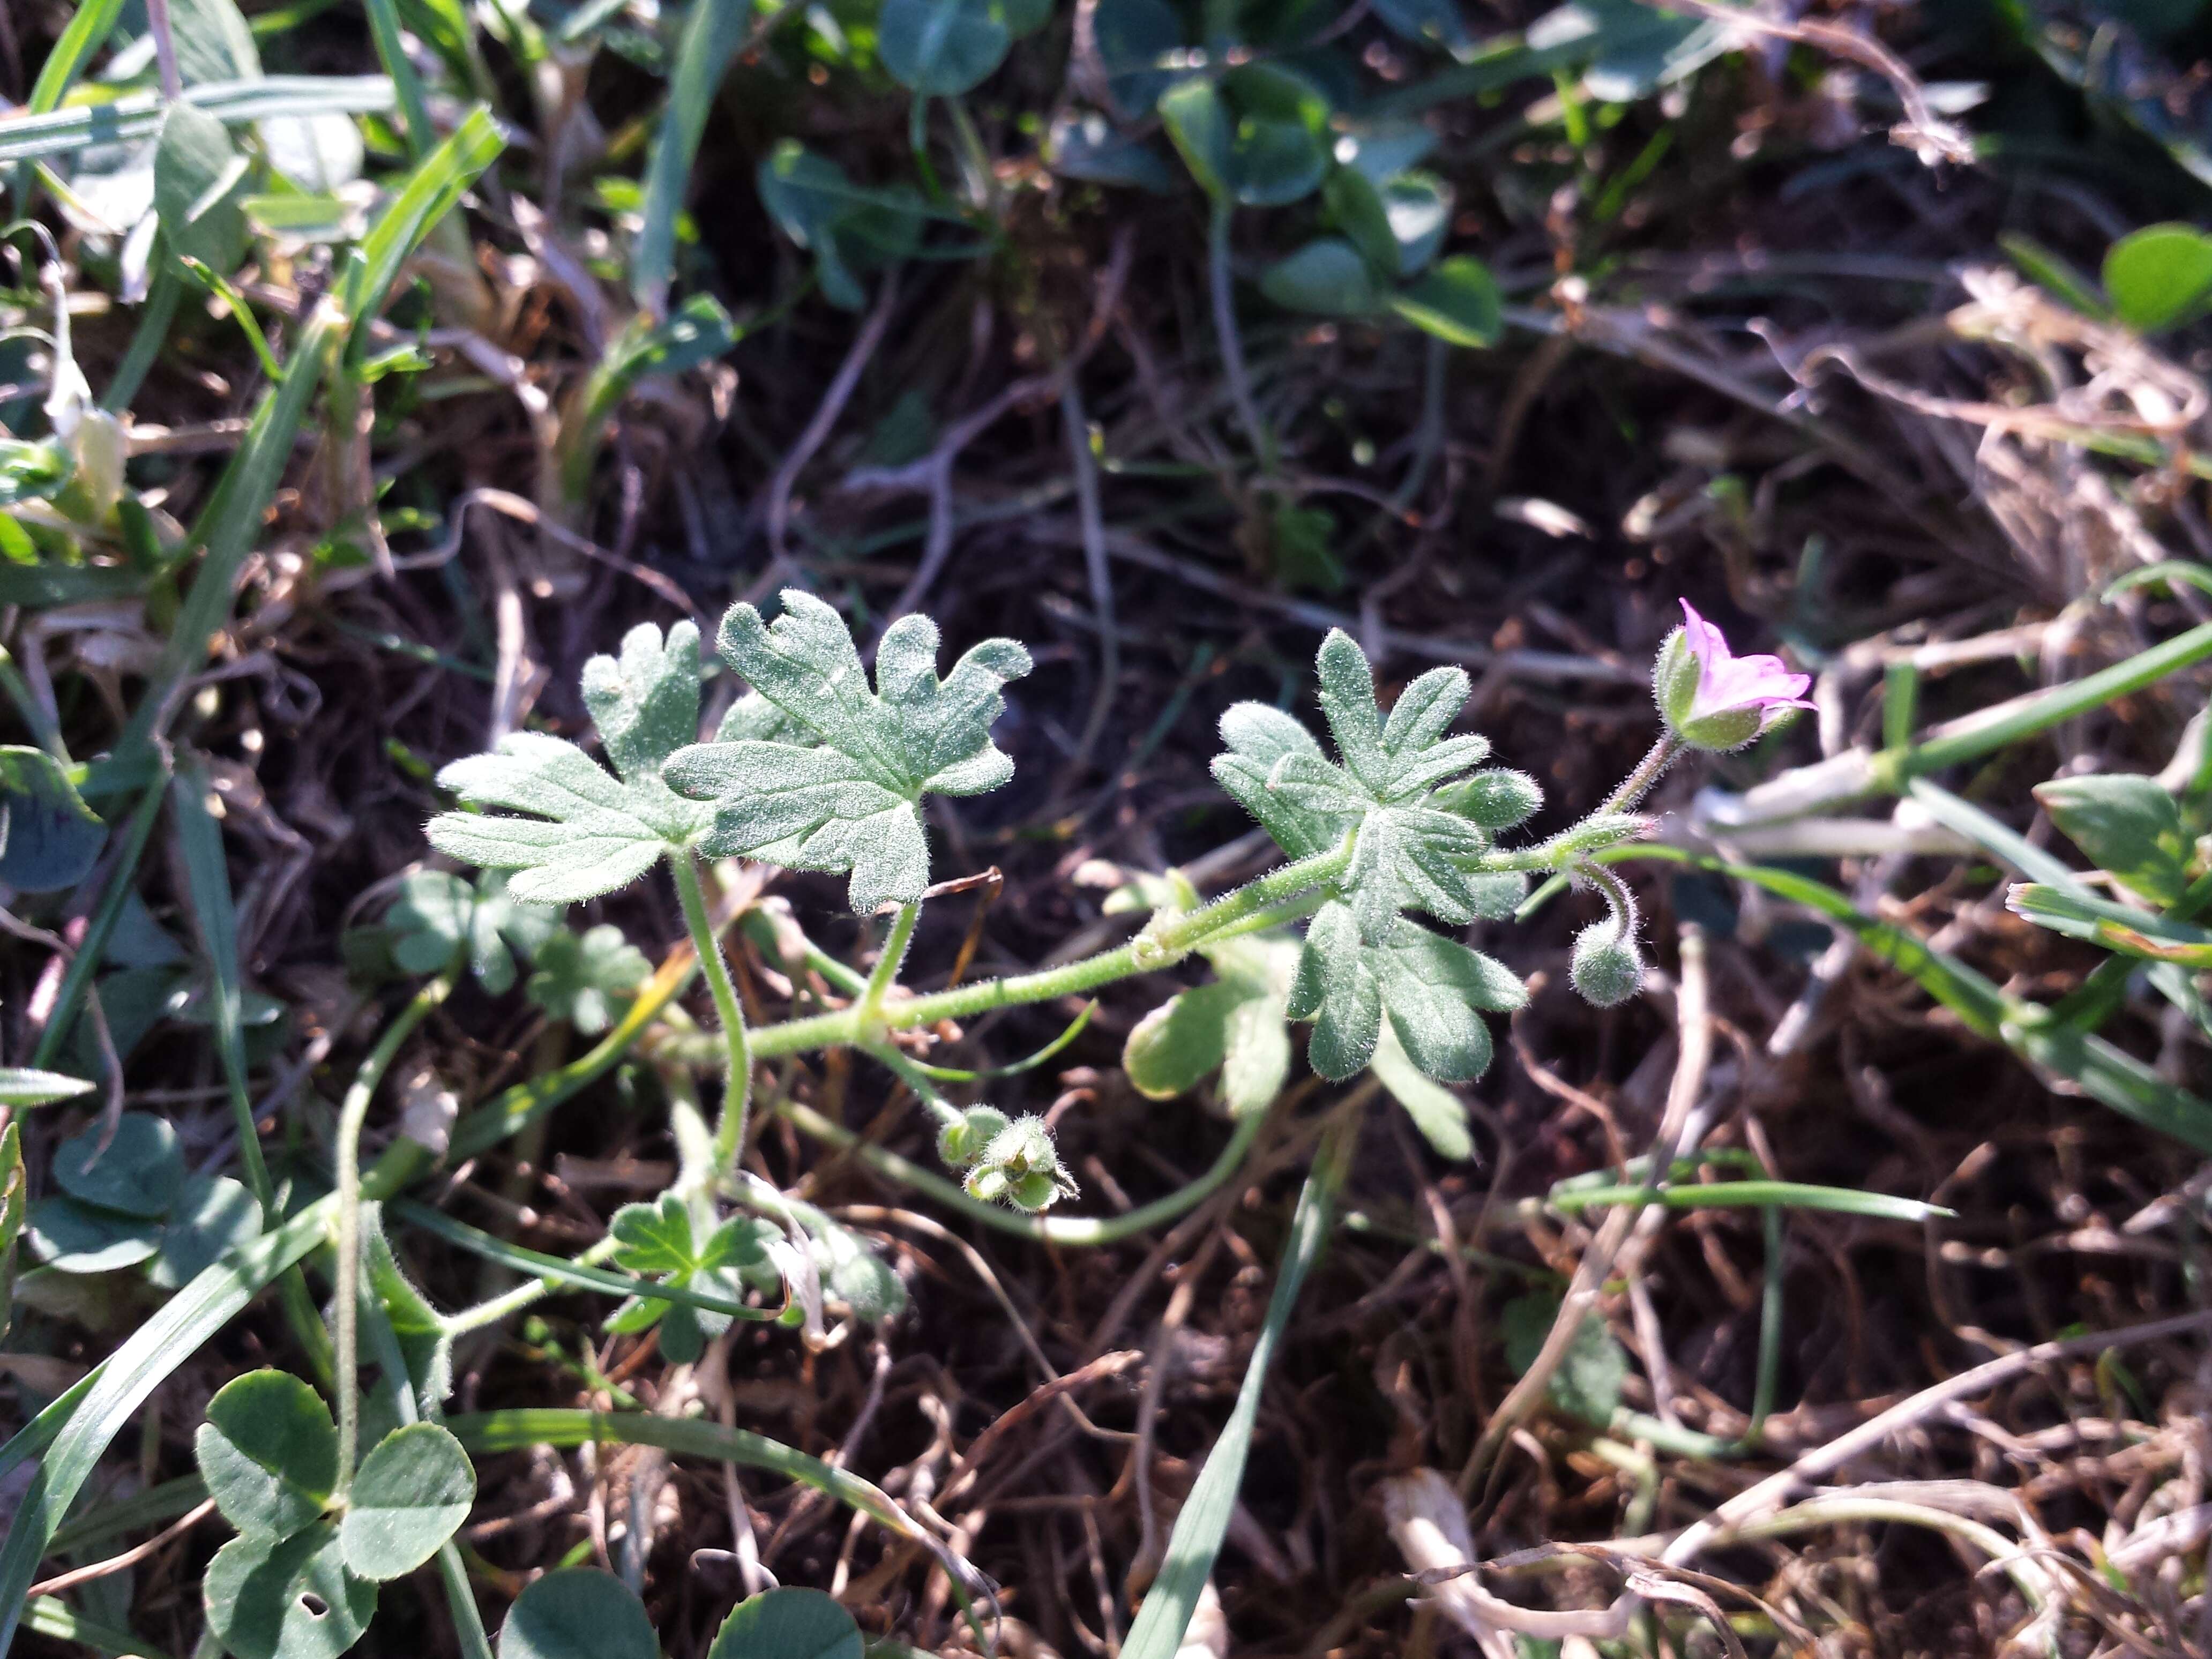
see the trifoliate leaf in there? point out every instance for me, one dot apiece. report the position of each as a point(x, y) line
point(411, 1494)
point(1431, 987)
point(288, 1598)
point(443, 921)
point(659, 1239)
point(269, 1453)
point(590, 831)
point(852, 804)
point(581, 978)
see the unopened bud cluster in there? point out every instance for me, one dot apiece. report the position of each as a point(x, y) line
point(1007, 1161)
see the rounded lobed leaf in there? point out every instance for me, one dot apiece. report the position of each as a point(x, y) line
point(286, 1598)
point(139, 1172)
point(269, 1454)
point(75, 1238)
point(413, 1491)
point(577, 1612)
point(787, 1624)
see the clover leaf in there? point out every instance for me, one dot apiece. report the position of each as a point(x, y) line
point(1430, 986)
point(589, 831)
point(577, 1612)
point(269, 1453)
point(581, 977)
point(443, 921)
point(659, 1239)
point(787, 1624)
point(850, 802)
point(411, 1494)
point(266, 1596)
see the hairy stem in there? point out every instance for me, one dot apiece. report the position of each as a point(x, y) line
point(1162, 945)
point(737, 1083)
point(1649, 771)
point(887, 965)
point(352, 1115)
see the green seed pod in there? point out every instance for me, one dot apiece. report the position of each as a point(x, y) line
point(1606, 968)
point(961, 1144)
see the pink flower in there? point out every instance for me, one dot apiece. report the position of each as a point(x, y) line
point(1714, 699)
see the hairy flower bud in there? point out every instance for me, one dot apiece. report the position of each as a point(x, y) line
point(961, 1143)
point(1497, 799)
point(1021, 1167)
point(1606, 968)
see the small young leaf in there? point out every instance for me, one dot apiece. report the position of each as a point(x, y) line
point(138, 1174)
point(1588, 1382)
point(286, 1598)
point(577, 1612)
point(443, 922)
point(269, 1454)
point(1234, 1024)
point(851, 805)
point(1457, 302)
point(653, 1238)
point(1327, 277)
point(1199, 124)
point(2127, 825)
point(787, 1624)
point(582, 979)
point(2159, 276)
point(411, 1494)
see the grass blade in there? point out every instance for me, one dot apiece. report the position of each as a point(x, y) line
point(137, 116)
point(432, 190)
point(1754, 1194)
point(1158, 1630)
point(711, 35)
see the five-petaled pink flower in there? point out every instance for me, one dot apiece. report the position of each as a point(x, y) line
point(1714, 699)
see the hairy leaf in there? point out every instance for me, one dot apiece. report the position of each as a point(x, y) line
point(589, 831)
point(852, 804)
point(1431, 988)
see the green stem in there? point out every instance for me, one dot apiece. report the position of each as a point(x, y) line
point(885, 974)
point(352, 1115)
point(462, 1321)
point(737, 1083)
point(1075, 1230)
point(1162, 945)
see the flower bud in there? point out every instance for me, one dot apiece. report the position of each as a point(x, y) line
point(1021, 1167)
point(1496, 799)
point(961, 1143)
point(1606, 968)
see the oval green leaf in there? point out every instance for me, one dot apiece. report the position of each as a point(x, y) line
point(212, 1213)
point(269, 1454)
point(48, 836)
point(75, 1238)
point(787, 1624)
point(1457, 302)
point(577, 1612)
point(2160, 276)
point(941, 48)
point(269, 1596)
point(413, 1491)
point(140, 1173)
point(1327, 277)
